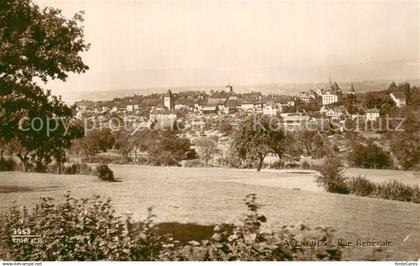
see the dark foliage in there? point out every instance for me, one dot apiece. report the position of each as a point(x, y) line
point(406, 144)
point(331, 176)
point(169, 149)
point(361, 186)
point(369, 156)
point(37, 44)
point(395, 190)
point(105, 173)
point(7, 164)
point(256, 137)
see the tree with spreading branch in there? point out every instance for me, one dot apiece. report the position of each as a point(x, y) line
point(36, 45)
point(258, 136)
point(206, 148)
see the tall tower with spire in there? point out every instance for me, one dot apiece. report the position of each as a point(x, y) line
point(230, 87)
point(329, 78)
point(352, 90)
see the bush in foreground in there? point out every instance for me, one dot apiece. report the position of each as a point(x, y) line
point(105, 173)
point(89, 229)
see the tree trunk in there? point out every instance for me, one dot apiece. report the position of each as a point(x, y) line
point(24, 159)
point(260, 163)
point(135, 156)
point(25, 164)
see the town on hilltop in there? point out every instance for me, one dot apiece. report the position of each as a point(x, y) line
point(330, 103)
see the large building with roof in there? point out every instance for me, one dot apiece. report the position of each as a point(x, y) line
point(398, 98)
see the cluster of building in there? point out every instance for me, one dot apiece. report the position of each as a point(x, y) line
point(167, 108)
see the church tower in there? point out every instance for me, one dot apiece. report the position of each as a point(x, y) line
point(168, 100)
point(230, 87)
point(352, 90)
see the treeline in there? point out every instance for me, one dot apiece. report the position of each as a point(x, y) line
point(245, 147)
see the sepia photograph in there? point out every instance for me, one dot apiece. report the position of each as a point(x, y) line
point(209, 130)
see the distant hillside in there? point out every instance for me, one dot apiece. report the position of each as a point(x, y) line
point(285, 89)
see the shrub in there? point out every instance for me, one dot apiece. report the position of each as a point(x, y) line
point(395, 190)
point(105, 173)
point(305, 165)
point(99, 234)
point(331, 176)
point(415, 197)
point(361, 186)
point(7, 164)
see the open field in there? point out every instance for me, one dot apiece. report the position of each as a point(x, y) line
point(209, 196)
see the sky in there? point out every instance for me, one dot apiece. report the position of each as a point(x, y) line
point(142, 44)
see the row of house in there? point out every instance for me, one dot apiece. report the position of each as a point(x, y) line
point(168, 107)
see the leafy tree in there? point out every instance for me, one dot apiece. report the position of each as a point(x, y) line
point(123, 143)
point(206, 148)
point(376, 99)
point(39, 43)
point(60, 142)
point(142, 140)
point(96, 141)
point(369, 156)
point(257, 136)
point(312, 143)
point(170, 149)
point(293, 148)
point(414, 97)
point(102, 139)
point(349, 101)
point(406, 144)
point(35, 45)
